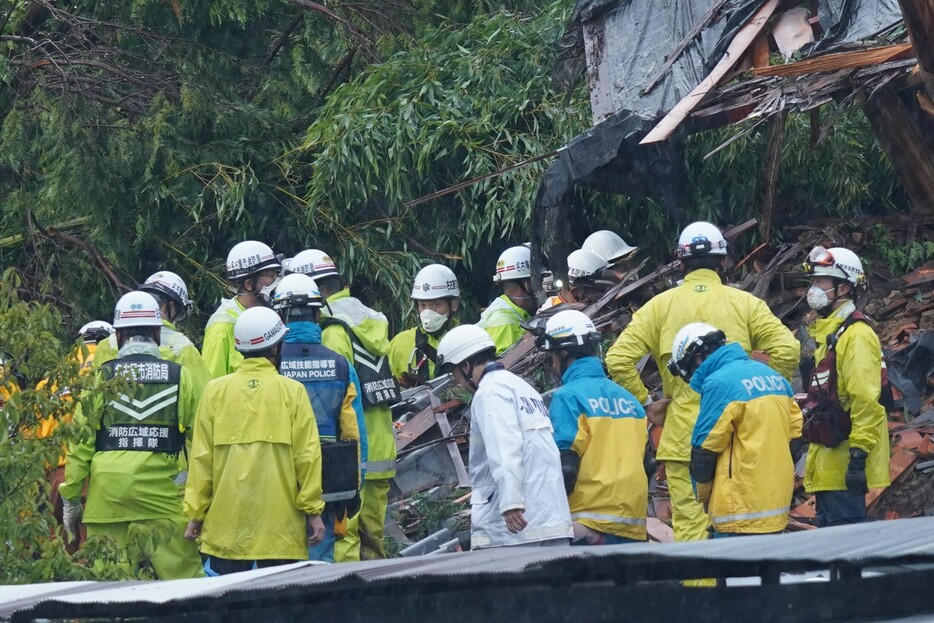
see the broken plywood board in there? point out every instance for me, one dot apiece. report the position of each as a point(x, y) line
point(840, 60)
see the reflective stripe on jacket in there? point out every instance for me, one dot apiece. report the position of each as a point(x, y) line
point(218, 349)
point(372, 329)
point(702, 297)
point(748, 416)
point(127, 486)
point(859, 359)
point(501, 320)
point(514, 464)
point(255, 466)
point(605, 426)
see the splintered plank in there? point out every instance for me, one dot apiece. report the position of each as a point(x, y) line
point(839, 60)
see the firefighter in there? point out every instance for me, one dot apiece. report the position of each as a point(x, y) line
point(254, 269)
point(740, 457)
point(254, 492)
point(412, 353)
point(131, 461)
point(505, 315)
point(518, 493)
point(842, 468)
point(702, 297)
point(600, 431)
point(361, 335)
point(331, 385)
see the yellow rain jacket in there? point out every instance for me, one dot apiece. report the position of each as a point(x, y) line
point(859, 384)
point(218, 350)
point(255, 466)
point(605, 426)
point(701, 298)
point(501, 320)
point(402, 350)
point(748, 416)
point(372, 329)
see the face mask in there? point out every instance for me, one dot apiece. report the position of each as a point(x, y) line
point(432, 321)
point(265, 293)
point(818, 299)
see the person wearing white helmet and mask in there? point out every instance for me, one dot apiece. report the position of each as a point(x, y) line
point(845, 421)
point(702, 297)
point(601, 434)
point(254, 490)
point(504, 317)
point(413, 352)
point(254, 269)
point(740, 457)
point(130, 459)
point(518, 493)
point(331, 384)
point(361, 335)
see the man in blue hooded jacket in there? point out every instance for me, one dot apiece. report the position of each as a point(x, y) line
point(332, 386)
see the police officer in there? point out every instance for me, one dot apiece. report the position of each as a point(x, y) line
point(131, 461)
point(702, 297)
point(601, 433)
point(361, 335)
point(740, 457)
point(331, 384)
point(413, 352)
point(254, 269)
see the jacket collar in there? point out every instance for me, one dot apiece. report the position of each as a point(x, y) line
point(256, 364)
point(303, 332)
point(704, 276)
point(586, 367)
point(343, 293)
point(825, 326)
point(518, 310)
point(140, 347)
point(727, 353)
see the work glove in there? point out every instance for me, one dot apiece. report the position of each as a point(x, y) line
point(71, 517)
point(856, 471)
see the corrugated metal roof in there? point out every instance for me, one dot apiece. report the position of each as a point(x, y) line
point(880, 543)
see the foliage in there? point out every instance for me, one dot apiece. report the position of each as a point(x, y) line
point(900, 255)
point(31, 545)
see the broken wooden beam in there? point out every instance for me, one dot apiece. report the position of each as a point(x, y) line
point(839, 60)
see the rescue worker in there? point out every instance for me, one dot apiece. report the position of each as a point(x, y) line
point(255, 483)
point(840, 471)
point(91, 334)
point(331, 386)
point(702, 297)
point(413, 352)
point(518, 495)
point(505, 315)
point(362, 336)
point(740, 457)
point(254, 269)
point(131, 461)
point(600, 431)
point(585, 279)
point(616, 251)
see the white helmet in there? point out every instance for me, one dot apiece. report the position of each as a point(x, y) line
point(513, 263)
point(137, 309)
point(700, 238)
point(248, 258)
point(314, 263)
point(696, 338)
point(585, 264)
point(258, 328)
point(435, 281)
point(168, 284)
point(287, 266)
point(836, 262)
point(609, 245)
point(569, 328)
point(297, 290)
point(460, 344)
point(96, 331)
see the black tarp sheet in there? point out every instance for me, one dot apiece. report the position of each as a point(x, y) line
point(637, 37)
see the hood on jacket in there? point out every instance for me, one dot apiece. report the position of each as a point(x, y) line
point(585, 367)
point(370, 326)
point(303, 332)
point(728, 353)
